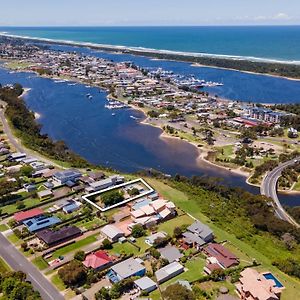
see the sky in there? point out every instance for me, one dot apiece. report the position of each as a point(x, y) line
point(148, 12)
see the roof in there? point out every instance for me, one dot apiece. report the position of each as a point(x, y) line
point(168, 270)
point(97, 259)
point(41, 222)
point(145, 283)
point(151, 238)
point(171, 253)
point(191, 238)
point(111, 231)
point(223, 255)
point(140, 203)
point(127, 268)
point(55, 236)
point(71, 206)
point(67, 174)
point(24, 215)
point(259, 287)
point(200, 229)
point(158, 204)
point(45, 193)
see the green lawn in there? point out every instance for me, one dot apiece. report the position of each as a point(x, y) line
point(55, 279)
point(3, 227)
point(90, 224)
point(262, 244)
point(12, 208)
point(125, 248)
point(3, 266)
point(40, 263)
point(169, 226)
point(194, 271)
point(14, 239)
point(75, 246)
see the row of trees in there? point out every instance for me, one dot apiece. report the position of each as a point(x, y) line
point(13, 286)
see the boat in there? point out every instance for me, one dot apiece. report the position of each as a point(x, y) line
point(133, 117)
point(89, 96)
point(113, 114)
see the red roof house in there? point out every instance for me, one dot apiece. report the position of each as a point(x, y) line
point(224, 257)
point(28, 214)
point(98, 260)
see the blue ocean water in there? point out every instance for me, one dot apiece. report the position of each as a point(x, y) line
point(268, 42)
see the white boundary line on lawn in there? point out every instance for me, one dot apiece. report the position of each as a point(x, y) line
point(150, 190)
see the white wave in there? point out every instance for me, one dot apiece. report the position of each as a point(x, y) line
point(152, 50)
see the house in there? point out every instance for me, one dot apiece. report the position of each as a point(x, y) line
point(125, 269)
point(145, 284)
point(28, 214)
point(18, 156)
point(170, 253)
point(71, 207)
point(224, 258)
point(98, 260)
point(112, 232)
point(67, 175)
point(151, 238)
point(55, 237)
point(197, 235)
point(45, 194)
point(256, 286)
point(40, 222)
point(169, 271)
point(29, 187)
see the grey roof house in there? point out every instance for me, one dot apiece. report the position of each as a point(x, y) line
point(169, 271)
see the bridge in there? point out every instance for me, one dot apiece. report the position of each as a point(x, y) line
point(269, 189)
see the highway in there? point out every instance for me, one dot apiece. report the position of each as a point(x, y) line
point(18, 262)
point(269, 189)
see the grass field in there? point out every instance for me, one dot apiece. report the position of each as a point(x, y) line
point(169, 226)
point(75, 246)
point(14, 239)
point(55, 279)
point(194, 271)
point(40, 263)
point(12, 208)
point(264, 243)
point(3, 266)
point(125, 248)
point(3, 227)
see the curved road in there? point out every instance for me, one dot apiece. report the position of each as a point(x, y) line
point(269, 189)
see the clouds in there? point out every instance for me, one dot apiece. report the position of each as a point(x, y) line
point(145, 12)
point(278, 17)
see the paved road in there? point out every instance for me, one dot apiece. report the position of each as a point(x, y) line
point(269, 189)
point(18, 262)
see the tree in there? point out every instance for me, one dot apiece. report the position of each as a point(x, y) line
point(178, 292)
point(155, 253)
point(73, 274)
point(112, 197)
point(26, 171)
point(138, 231)
point(106, 244)
point(133, 192)
point(177, 232)
point(103, 294)
point(79, 255)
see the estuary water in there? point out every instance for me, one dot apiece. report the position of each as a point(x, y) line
point(120, 141)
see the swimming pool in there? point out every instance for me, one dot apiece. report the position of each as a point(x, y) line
point(270, 276)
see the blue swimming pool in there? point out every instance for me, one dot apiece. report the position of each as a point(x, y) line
point(270, 276)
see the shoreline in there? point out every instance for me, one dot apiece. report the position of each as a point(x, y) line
point(167, 55)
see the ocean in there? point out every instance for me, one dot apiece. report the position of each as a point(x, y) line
point(281, 43)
